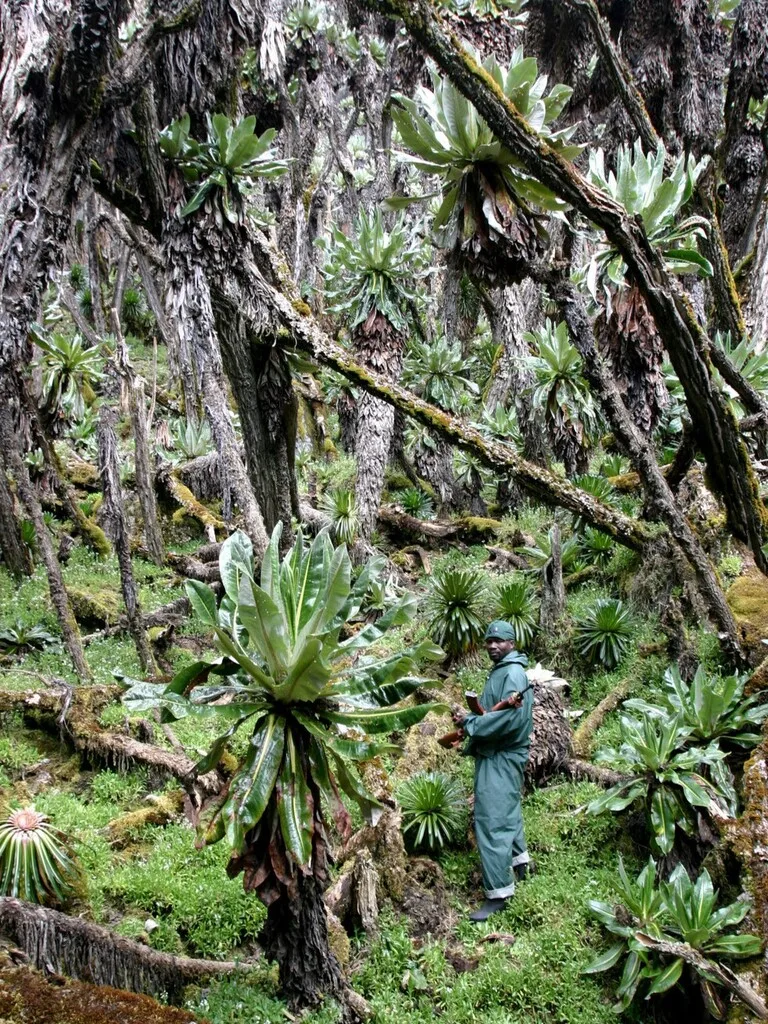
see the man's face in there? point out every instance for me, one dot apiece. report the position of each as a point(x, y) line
point(498, 649)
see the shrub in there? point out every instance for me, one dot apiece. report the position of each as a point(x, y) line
point(433, 805)
point(34, 862)
point(515, 602)
point(663, 772)
point(604, 631)
point(454, 606)
point(676, 911)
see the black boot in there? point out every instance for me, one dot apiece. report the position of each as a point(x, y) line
point(526, 870)
point(488, 908)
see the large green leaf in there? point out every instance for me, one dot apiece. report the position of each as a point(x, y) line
point(295, 807)
point(237, 654)
point(664, 814)
point(267, 631)
point(735, 945)
point(236, 564)
point(203, 601)
point(308, 676)
point(606, 960)
point(618, 797)
point(375, 720)
point(668, 976)
point(354, 788)
point(212, 758)
point(253, 785)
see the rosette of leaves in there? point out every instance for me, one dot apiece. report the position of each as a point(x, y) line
point(341, 508)
point(713, 707)
point(192, 438)
point(604, 631)
point(561, 397)
point(599, 487)
point(674, 911)
point(71, 370)
point(516, 604)
point(21, 639)
point(309, 698)
point(751, 364)
point(625, 329)
point(373, 271)
point(225, 166)
point(416, 503)
point(302, 23)
point(35, 864)
point(455, 609)
point(502, 424)
point(540, 553)
point(513, 10)
point(596, 547)
point(434, 808)
point(490, 209)
point(437, 371)
point(663, 772)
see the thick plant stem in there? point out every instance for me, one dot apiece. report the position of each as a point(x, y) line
point(727, 458)
point(643, 459)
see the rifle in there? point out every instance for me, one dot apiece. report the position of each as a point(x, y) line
point(453, 739)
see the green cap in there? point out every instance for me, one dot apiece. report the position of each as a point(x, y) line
point(500, 630)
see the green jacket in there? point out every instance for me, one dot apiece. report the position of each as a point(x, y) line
point(508, 730)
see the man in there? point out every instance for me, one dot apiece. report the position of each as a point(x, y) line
point(499, 742)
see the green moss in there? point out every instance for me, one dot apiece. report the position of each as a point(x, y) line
point(748, 600)
point(95, 608)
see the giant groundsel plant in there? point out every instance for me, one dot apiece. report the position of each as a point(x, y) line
point(309, 696)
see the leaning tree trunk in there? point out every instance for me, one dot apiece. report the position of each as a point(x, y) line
point(380, 346)
point(31, 505)
point(145, 477)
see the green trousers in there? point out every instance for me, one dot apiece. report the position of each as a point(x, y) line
point(499, 819)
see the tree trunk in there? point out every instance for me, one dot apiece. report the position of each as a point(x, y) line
point(15, 552)
point(116, 527)
point(56, 942)
point(553, 590)
point(295, 936)
point(145, 477)
point(643, 458)
point(380, 346)
point(511, 312)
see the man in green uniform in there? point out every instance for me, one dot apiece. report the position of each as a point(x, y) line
point(499, 742)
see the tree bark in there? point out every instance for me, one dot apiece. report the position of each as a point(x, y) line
point(511, 312)
point(16, 554)
point(553, 591)
point(683, 337)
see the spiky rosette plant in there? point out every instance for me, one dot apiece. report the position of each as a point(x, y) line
point(71, 369)
point(455, 606)
point(625, 329)
point(604, 631)
point(438, 372)
point(433, 806)
point(35, 864)
point(491, 209)
point(561, 397)
point(310, 701)
point(516, 604)
point(371, 282)
point(416, 503)
point(340, 506)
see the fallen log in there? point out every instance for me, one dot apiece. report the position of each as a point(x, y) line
point(171, 614)
point(193, 569)
point(81, 727)
point(58, 943)
point(582, 740)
